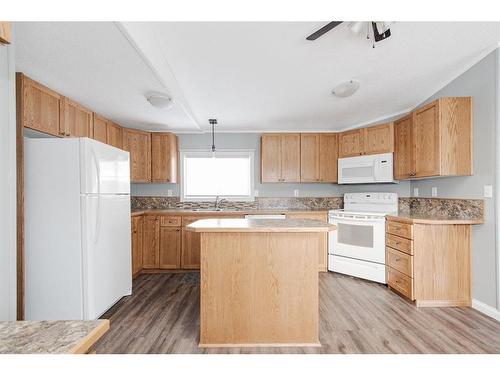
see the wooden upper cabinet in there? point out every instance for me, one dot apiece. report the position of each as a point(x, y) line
point(40, 106)
point(138, 144)
point(379, 139)
point(351, 143)
point(76, 121)
point(426, 141)
point(151, 242)
point(309, 157)
point(164, 157)
point(404, 162)
point(5, 32)
point(114, 135)
point(328, 157)
point(270, 157)
point(290, 157)
point(100, 128)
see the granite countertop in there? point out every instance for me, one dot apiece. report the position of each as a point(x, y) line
point(431, 219)
point(50, 337)
point(269, 225)
point(190, 211)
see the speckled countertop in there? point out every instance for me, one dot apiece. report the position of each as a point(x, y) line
point(184, 211)
point(50, 337)
point(248, 225)
point(422, 218)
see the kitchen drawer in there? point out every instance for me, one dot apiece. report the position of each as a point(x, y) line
point(399, 243)
point(400, 282)
point(399, 261)
point(399, 229)
point(170, 221)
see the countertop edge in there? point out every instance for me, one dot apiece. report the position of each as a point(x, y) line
point(86, 342)
point(188, 212)
point(435, 221)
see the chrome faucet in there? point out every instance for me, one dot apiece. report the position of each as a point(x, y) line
point(218, 202)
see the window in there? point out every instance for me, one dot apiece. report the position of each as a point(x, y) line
point(229, 174)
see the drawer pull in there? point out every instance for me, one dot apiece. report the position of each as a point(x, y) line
point(397, 259)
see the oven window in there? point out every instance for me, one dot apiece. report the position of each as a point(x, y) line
point(355, 235)
point(350, 172)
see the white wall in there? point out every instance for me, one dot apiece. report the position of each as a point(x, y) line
point(7, 185)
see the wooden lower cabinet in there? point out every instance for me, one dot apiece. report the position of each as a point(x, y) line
point(151, 244)
point(170, 248)
point(429, 263)
point(323, 248)
point(190, 258)
point(137, 242)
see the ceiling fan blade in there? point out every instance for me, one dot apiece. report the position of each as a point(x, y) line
point(323, 30)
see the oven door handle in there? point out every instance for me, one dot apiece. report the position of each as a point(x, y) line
point(347, 218)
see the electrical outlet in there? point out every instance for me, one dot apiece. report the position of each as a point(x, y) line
point(488, 191)
point(415, 192)
point(296, 192)
point(434, 192)
point(256, 193)
point(169, 192)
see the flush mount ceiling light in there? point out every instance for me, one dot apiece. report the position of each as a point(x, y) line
point(159, 100)
point(345, 89)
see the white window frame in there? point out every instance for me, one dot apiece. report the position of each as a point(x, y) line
point(226, 152)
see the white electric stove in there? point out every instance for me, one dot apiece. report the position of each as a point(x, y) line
point(357, 247)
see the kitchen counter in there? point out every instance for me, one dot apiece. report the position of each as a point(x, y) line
point(190, 211)
point(431, 219)
point(250, 225)
point(50, 337)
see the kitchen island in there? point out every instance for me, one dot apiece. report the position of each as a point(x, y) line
point(259, 281)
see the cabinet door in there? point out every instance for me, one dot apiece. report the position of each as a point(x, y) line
point(309, 157)
point(164, 157)
point(328, 157)
point(5, 33)
point(379, 139)
point(100, 128)
point(323, 247)
point(270, 158)
point(151, 242)
point(114, 135)
point(351, 143)
point(426, 140)
point(76, 121)
point(190, 254)
point(290, 157)
point(170, 247)
point(137, 240)
point(41, 108)
point(138, 144)
point(404, 163)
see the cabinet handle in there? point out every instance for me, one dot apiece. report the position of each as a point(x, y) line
point(396, 259)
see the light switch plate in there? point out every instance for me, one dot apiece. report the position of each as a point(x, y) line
point(256, 193)
point(488, 191)
point(415, 192)
point(434, 192)
point(169, 192)
point(296, 192)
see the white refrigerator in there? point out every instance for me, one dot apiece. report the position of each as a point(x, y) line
point(77, 228)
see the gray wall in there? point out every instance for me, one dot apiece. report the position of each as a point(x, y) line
point(7, 185)
point(252, 141)
point(480, 82)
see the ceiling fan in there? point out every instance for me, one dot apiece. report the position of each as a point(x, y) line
point(380, 30)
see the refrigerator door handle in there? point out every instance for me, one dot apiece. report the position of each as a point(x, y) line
point(98, 215)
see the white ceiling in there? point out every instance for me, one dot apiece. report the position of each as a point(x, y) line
point(251, 76)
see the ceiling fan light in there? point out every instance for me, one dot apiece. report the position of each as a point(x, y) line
point(345, 89)
point(159, 100)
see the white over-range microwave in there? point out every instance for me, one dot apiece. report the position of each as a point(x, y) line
point(366, 169)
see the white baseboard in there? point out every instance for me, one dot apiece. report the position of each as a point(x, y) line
point(486, 309)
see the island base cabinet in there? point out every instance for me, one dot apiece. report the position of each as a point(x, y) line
point(259, 289)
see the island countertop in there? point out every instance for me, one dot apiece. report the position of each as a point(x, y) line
point(50, 337)
point(262, 225)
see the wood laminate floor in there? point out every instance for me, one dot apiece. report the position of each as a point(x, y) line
point(356, 316)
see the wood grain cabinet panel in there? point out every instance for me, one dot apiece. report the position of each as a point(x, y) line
point(328, 157)
point(137, 241)
point(76, 120)
point(351, 143)
point(290, 157)
point(114, 135)
point(426, 141)
point(379, 139)
point(404, 162)
point(170, 248)
point(190, 254)
point(165, 157)
point(138, 144)
point(41, 107)
point(309, 157)
point(5, 32)
point(280, 157)
point(151, 243)
point(100, 128)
